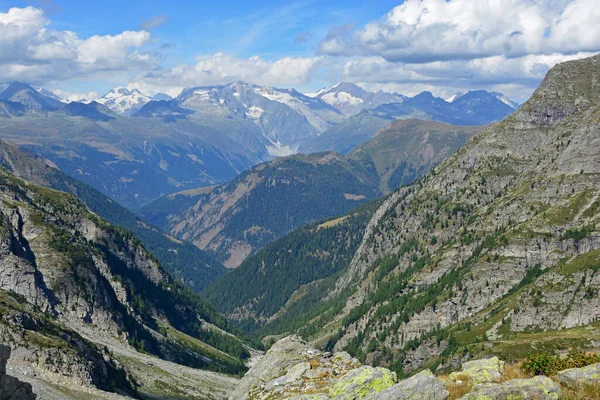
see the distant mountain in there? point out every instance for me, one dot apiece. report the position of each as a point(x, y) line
point(473, 108)
point(93, 111)
point(133, 160)
point(52, 95)
point(236, 219)
point(284, 117)
point(161, 96)
point(455, 96)
point(124, 101)
point(24, 94)
point(350, 99)
point(181, 259)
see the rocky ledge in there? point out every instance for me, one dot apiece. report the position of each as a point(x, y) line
point(293, 369)
point(11, 388)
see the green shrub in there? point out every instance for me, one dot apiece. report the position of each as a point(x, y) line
point(549, 364)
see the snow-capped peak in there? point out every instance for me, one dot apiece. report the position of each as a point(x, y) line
point(52, 95)
point(502, 97)
point(124, 101)
point(455, 97)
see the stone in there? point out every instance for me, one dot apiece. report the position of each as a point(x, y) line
point(294, 374)
point(480, 371)
point(538, 388)
point(574, 378)
point(284, 354)
point(11, 388)
point(362, 382)
point(422, 386)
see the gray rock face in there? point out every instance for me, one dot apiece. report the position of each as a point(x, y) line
point(285, 353)
point(538, 388)
point(12, 388)
point(575, 378)
point(422, 386)
point(480, 371)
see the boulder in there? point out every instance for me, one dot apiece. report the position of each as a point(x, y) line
point(284, 354)
point(538, 388)
point(294, 374)
point(362, 382)
point(422, 386)
point(480, 371)
point(12, 388)
point(575, 378)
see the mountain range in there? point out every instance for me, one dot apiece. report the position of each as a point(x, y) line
point(475, 258)
point(204, 136)
point(235, 219)
point(181, 259)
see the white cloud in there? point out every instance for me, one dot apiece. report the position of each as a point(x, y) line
point(31, 52)
point(517, 77)
point(69, 96)
point(420, 31)
point(221, 68)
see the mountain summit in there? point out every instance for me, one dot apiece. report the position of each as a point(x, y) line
point(350, 99)
point(124, 101)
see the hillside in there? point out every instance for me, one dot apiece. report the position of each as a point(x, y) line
point(235, 220)
point(495, 251)
point(72, 284)
point(181, 259)
point(407, 149)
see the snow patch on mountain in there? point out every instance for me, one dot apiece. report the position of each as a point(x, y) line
point(124, 101)
point(254, 113)
point(505, 100)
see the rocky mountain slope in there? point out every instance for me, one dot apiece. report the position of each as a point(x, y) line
point(181, 259)
point(235, 220)
point(70, 282)
point(474, 108)
point(495, 251)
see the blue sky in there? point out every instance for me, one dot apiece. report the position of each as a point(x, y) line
point(408, 46)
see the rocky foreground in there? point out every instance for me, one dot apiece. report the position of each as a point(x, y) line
point(11, 388)
point(293, 369)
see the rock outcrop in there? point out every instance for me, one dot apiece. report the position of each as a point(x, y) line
point(423, 386)
point(575, 378)
point(292, 369)
point(11, 388)
point(480, 371)
point(538, 388)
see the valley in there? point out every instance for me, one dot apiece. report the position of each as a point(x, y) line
point(301, 201)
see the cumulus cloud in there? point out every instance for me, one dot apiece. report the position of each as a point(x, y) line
point(221, 68)
point(152, 23)
point(422, 31)
point(32, 52)
point(516, 77)
point(69, 96)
